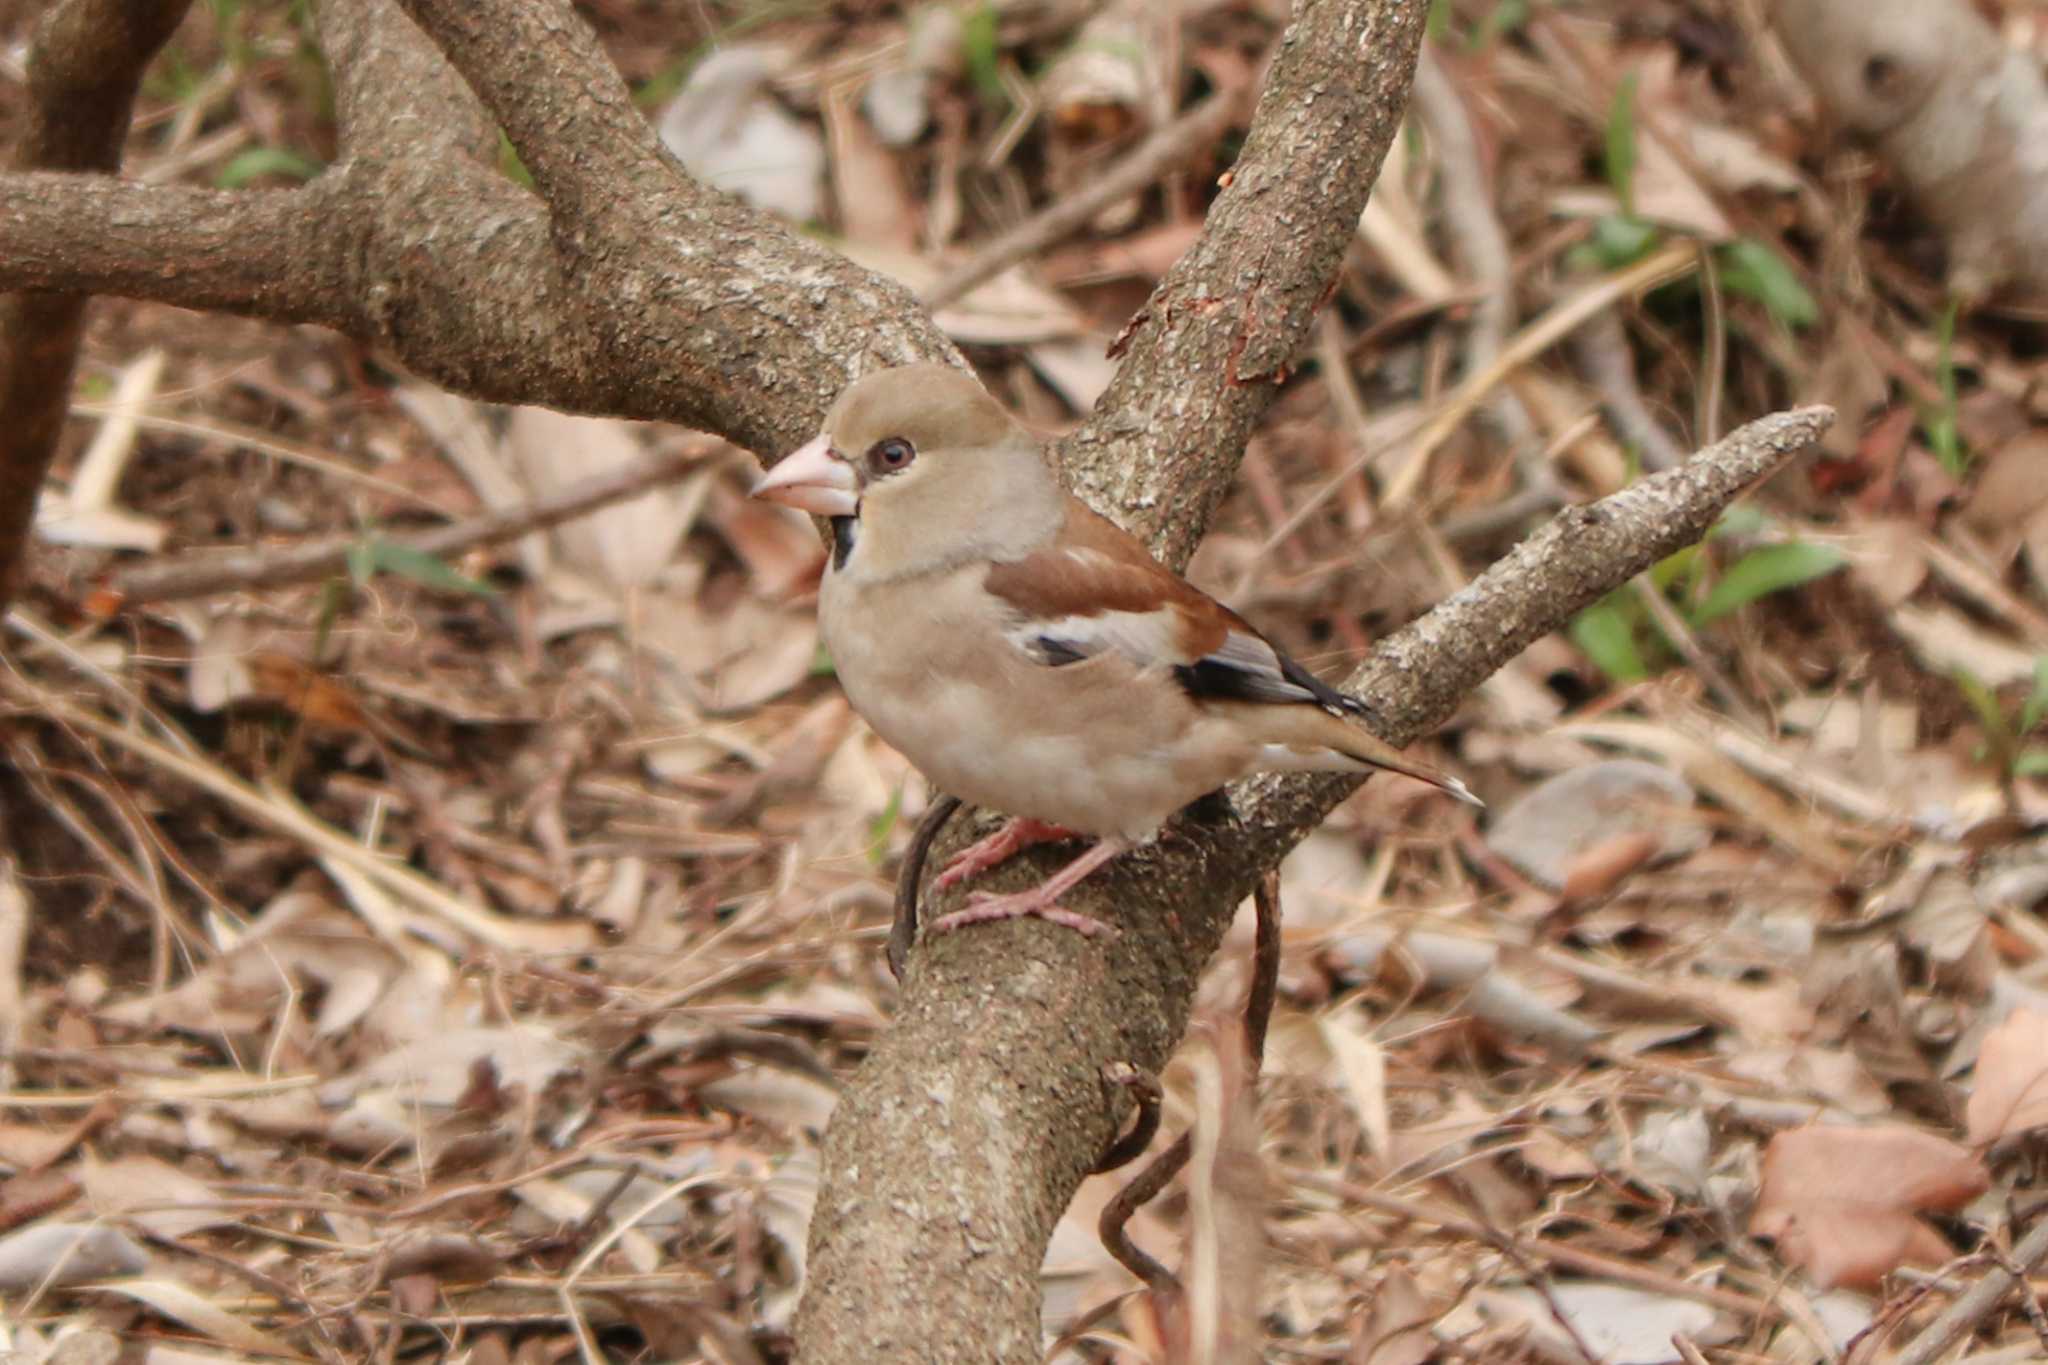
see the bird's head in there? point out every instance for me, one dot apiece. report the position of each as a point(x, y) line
point(932, 467)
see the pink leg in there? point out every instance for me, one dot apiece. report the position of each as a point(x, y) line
point(1041, 900)
point(1014, 837)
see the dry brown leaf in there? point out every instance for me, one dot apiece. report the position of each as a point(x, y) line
point(1597, 870)
point(1397, 1330)
point(2011, 1093)
point(31, 1194)
point(182, 1303)
point(1549, 828)
point(1843, 1204)
point(65, 1253)
point(152, 1194)
point(875, 203)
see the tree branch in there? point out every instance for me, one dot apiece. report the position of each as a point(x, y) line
point(1205, 355)
point(673, 303)
point(961, 1139)
point(85, 62)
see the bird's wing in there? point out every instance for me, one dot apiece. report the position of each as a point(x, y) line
point(1093, 590)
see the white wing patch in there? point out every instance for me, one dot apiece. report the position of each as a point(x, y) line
point(1145, 638)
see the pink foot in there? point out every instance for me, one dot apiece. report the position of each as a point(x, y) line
point(1042, 900)
point(1014, 837)
point(987, 909)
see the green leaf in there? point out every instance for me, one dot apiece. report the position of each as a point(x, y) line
point(1621, 144)
point(2031, 763)
point(979, 45)
point(362, 562)
point(1504, 18)
point(881, 825)
point(1754, 270)
point(2037, 701)
point(509, 163)
point(1677, 569)
point(1944, 434)
point(1998, 735)
point(1608, 637)
point(253, 163)
point(1768, 569)
point(1742, 519)
point(388, 556)
point(1617, 241)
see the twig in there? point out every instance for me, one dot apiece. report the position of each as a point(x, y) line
point(1600, 351)
point(87, 60)
point(1142, 165)
point(1532, 341)
point(14, 912)
point(903, 929)
point(1482, 246)
point(1147, 1096)
point(1258, 1013)
point(1543, 1249)
point(1114, 1224)
point(233, 570)
point(1964, 1315)
point(1265, 987)
point(278, 811)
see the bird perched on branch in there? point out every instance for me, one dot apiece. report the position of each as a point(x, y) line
point(1029, 655)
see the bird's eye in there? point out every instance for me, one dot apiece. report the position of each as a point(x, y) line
point(890, 454)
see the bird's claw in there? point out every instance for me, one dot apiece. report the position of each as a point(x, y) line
point(995, 849)
point(986, 908)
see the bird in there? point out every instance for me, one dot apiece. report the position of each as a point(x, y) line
point(1028, 655)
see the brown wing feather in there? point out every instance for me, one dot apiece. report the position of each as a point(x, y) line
point(1093, 566)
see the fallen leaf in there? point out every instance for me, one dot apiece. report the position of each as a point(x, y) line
point(727, 129)
point(1550, 828)
point(1843, 1203)
point(2011, 1093)
point(65, 1253)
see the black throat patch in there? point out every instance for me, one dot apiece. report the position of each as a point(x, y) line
point(842, 539)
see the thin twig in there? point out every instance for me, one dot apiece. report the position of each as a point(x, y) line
point(903, 929)
point(1433, 430)
point(1539, 1248)
point(1147, 1096)
point(1145, 163)
point(1258, 1013)
point(234, 570)
point(1964, 1315)
point(1600, 352)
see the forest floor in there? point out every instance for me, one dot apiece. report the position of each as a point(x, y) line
point(456, 958)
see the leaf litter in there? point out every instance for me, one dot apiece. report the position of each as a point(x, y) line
point(402, 965)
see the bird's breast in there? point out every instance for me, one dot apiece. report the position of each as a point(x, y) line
point(1100, 746)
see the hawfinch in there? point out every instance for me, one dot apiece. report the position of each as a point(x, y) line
point(1029, 655)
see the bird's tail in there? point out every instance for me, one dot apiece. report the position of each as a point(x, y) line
point(1310, 739)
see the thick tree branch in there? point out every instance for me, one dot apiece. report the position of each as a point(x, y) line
point(372, 53)
point(1205, 355)
point(85, 62)
point(962, 1137)
point(673, 303)
point(949, 1162)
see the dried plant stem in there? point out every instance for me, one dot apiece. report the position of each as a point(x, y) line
point(1977, 1302)
point(240, 570)
point(1159, 153)
point(279, 812)
point(1258, 1014)
point(1559, 1254)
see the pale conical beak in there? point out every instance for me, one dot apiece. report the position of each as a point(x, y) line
point(812, 478)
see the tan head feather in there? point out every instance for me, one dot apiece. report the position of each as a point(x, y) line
point(946, 475)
